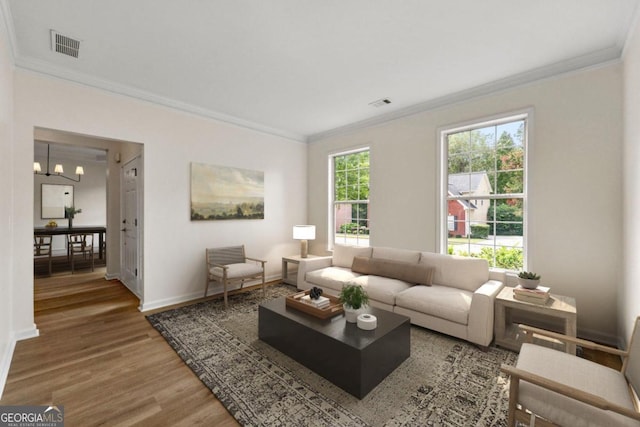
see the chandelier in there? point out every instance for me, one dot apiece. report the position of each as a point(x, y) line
point(57, 170)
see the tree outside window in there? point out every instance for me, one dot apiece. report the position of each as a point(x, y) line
point(350, 195)
point(485, 192)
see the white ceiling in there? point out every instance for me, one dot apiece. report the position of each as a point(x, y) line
point(308, 68)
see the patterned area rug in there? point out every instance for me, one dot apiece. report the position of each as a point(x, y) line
point(445, 381)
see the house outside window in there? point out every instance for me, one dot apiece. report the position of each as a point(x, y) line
point(349, 215)
point(483, 202)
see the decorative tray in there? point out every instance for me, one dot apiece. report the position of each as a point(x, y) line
point(334, 308)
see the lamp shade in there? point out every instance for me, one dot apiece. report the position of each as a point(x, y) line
point(36, 167)
point(304, 232)
point(58, 169)
point(79, 170)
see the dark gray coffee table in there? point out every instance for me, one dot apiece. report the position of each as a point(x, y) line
point(353, 359)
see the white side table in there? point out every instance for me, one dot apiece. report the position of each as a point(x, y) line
point(292, 279)
point(559, 309)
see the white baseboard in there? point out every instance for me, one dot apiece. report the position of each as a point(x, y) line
point(111, 276)
point(153, 305)
point(5, 364)
point(26, 333)
point(7, 356)
point(146, 306)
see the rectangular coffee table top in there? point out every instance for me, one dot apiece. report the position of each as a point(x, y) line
point(335, 327)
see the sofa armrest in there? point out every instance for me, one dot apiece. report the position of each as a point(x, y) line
point(498, 275)
point(310, 264)
point(480, 326)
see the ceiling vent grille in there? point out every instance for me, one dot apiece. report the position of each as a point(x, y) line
point(380, 102)
point(65, 45)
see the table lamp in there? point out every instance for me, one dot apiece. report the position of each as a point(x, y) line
point(304, 233)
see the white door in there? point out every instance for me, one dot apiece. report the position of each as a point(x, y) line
point(131, 227)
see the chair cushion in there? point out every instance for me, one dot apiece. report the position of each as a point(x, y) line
point(331, 277)
point(440, 301)
point(343, 255)
point(381, 289)
point(460, 272)
point(578, 373)
point(239, 270)
point(410, 272)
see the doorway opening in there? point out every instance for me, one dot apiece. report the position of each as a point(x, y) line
point(97, 199)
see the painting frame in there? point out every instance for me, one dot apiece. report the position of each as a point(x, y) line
point(226, 193)
point(54, 198)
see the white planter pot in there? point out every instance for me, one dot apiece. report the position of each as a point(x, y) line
point(351, 314)
point(528, 283)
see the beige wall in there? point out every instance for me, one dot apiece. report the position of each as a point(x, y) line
point(629, 300)
point(575, 181)
point(7, 330)
point(173, 245)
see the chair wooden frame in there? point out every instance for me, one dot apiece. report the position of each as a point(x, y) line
point(224, 279)
point(80, 243)
point(43, 246)
point(517, 413)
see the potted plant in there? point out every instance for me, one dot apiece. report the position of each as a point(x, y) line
point(353, 298)
point(528, 279)
point(70, 212)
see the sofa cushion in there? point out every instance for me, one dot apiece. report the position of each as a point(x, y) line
point(456, 271)
point(440, 301)
point(331, 277)
point(343, 255)
point(382, 289)
point(410, 272)
point(396, 254)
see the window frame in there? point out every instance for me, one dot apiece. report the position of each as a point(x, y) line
point(331, 226)
point(527, 115)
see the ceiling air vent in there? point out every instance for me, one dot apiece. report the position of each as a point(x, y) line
point(380, 102)
point(65, 45)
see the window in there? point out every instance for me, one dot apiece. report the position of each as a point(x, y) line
point(483, 191)
point(350, 197)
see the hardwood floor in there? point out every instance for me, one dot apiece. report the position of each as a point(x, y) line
point(60, 265)
point(99, 357)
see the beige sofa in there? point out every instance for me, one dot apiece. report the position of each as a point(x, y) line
point(459, 302)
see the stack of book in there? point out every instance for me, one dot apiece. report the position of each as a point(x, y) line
point(539, 295)
point(320, 302)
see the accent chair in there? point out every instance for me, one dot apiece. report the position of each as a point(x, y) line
point(229, 265)
point(552, 388)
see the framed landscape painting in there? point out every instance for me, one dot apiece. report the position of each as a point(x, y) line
point(221, 192)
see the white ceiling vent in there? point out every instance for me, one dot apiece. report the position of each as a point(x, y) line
point(380, 102)
point(63, 44)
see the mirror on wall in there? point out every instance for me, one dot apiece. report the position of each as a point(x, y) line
point(55, 197)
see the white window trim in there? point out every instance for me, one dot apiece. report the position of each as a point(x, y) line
point(331, 234)
point(442, 207)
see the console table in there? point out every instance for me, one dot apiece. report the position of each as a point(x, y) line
point(559, 310)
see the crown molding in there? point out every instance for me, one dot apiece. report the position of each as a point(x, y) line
point(594, 60)
point(50, 70)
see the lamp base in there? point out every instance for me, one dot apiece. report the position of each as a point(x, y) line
point(304, 248)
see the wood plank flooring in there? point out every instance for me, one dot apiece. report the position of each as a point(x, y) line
point(99, 357)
